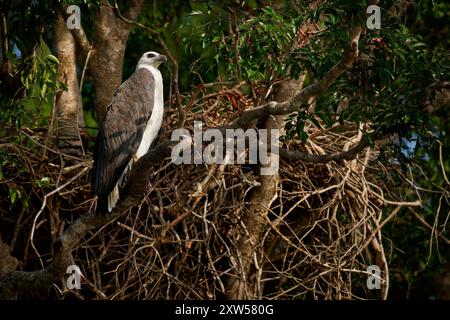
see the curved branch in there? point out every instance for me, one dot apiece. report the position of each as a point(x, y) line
point(274, 108)
point(134, 9)
point(79, 35)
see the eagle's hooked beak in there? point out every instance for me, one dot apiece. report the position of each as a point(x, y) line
point(162, 58)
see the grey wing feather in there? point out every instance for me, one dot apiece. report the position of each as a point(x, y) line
point(122, 130)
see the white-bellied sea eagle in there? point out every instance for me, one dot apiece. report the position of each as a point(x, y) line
point(130, 127)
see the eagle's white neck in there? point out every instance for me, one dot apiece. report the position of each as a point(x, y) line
point(155, 121)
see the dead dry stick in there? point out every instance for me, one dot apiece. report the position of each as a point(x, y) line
point(44, 202)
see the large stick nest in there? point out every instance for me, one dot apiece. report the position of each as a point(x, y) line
point(183, 241)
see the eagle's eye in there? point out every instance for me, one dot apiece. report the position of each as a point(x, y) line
point(150, 55)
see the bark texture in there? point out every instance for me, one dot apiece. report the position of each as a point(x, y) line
point(246, 284)
point(69, 109)
point(107, 50)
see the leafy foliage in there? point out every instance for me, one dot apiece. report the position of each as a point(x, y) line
point(32, 103)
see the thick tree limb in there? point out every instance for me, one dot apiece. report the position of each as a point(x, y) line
point(69, 109)
point(4, 41)
point(245, 283)
point(108, 49)
point(81, 40)
point(134, 9)
point(79, 35)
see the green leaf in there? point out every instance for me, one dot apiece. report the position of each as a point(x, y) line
point(314, 120)
point(12, 195)
point(43, 182)
point(43, 91)
point(52, 58)
point(301, 132)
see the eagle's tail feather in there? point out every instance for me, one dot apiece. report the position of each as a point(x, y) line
point(113, 198)
point(107, 203)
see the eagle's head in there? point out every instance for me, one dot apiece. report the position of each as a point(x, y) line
point(152, 58)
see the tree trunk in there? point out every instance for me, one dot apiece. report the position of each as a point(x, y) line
point(111, 35)
point(245, 284)
point(69, 109)
point(107, 50)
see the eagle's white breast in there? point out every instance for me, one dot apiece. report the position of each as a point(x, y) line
point(154, 123)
